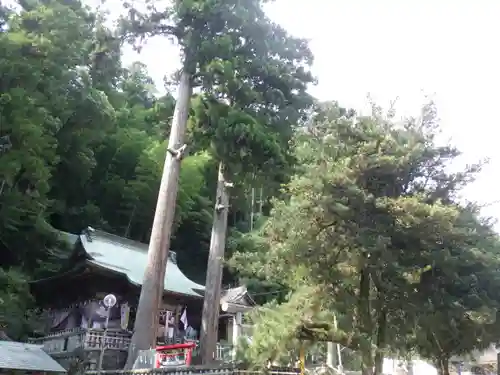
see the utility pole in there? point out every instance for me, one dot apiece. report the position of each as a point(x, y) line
point(146, 320)
point(252, 205)
point(334, 355)
point(339, 351)
point(330, 355)
point(211, 302)
point(261, 202)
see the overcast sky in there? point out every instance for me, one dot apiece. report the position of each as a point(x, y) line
point(397, 49)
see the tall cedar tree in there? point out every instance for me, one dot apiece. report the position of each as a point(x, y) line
point(212, 34)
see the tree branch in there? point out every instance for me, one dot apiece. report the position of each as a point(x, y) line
point(325, 332)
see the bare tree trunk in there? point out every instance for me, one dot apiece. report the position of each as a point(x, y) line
point(410, 367)
point(364, 307)
point(211, 303)
point(381, 339)
point(146, 320)
point(443, 365)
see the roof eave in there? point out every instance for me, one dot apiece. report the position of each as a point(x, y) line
point(233, 308)
point(96, 264)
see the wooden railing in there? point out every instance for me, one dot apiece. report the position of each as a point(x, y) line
point(197, 370)
point(86, 339)
point(170, 371)
point(93, 339)
point(223, 352)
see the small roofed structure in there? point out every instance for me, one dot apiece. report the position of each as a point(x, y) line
point(101, 263)
point(26, 357)
point(234, 303)
point(236, 300)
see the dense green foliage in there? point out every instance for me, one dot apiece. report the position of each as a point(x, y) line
point(84, 138)
point(15, 299)
point(368, 229)
point(372, 233)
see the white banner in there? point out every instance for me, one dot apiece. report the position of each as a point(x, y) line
point(124, 315)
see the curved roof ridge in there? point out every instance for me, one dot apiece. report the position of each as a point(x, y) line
point(127, 242)
point(134, 245)
point(129, 258)
point(237, 295)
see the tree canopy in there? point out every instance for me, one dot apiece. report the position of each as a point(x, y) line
point(372, 231)
point(360, 219)
point(83, 137)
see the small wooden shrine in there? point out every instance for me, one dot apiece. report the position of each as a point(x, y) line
point(73, 322)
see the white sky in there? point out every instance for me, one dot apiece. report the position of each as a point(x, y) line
point(391, 49)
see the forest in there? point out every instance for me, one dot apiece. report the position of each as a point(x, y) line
point(334, 216)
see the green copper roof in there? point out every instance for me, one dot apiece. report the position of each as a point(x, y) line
point(130, 258)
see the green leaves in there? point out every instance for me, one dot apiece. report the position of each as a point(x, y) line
point(372, 222)
point(87, 136)
point(15, 300)
point(370, 230)
point(253, 74)
point(235, 137)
